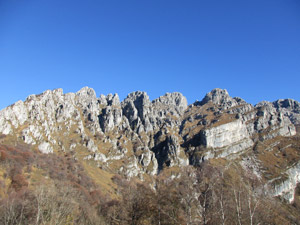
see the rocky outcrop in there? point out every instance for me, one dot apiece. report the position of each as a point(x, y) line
point(45, 148)
point(290, 108)
point(221, 98)
point(171, 103)
point(137, 109)
point(64, 122)
point(138, 136)
point(146, 116)
point(111, 113)
point(224, 135)
point(168, 151)
point(226, 139)
point(286, 189)
point(271, 122)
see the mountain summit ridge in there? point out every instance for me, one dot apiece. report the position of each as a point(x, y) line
point(137, 137)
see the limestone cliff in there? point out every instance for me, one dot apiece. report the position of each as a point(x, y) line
point(137, 136)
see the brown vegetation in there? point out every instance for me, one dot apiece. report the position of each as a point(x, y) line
point(53, 189)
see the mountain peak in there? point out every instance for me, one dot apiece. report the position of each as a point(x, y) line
point(220, 97)
point(139, 137)
point(86, 92)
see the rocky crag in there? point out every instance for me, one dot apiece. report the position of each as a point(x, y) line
point(139, 138)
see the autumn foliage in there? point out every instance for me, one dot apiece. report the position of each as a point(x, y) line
point(67, 195)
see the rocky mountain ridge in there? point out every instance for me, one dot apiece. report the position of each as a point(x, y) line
point(139, 138)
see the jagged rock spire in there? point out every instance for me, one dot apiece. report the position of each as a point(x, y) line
point(220, 97)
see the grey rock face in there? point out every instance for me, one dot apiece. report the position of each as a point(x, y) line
point(147, 116)
point(111, 113)
point(50, 119)
point(136, 107)
point(288, 104)
point(290, 108)
point(173, 103)
point(220, 97)
point(45, 148)
point(271, 122)
point(224, 135)
point(286, 189)
point(228, 126)
point(168, 150)
point(145, 133)
point(226, 139)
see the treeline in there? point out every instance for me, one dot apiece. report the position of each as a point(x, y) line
point(206, 195)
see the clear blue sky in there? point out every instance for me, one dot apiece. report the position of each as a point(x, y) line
point(249, 47)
